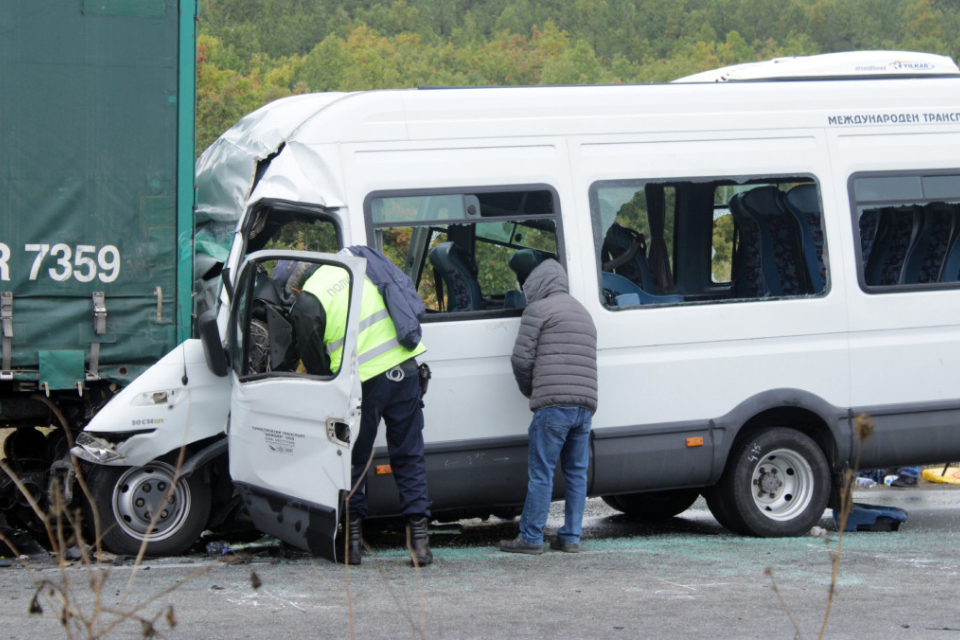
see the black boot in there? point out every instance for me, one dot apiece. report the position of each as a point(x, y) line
point(356, 539)
point(418, 543)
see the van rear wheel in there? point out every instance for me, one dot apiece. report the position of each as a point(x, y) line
point(776, 484)
point(654, 505)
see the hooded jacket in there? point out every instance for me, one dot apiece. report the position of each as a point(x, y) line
point(555, 356)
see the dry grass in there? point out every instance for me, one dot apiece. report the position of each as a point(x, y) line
point(68, 596)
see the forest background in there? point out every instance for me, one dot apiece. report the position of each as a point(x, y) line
point(251, 52)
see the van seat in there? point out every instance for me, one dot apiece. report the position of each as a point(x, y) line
point(950, 272)
point(897, 231)
point(624, 253)
point(780, 241)
point(926, 256)
point(621, 292)
point(868, 234)
point(804, 203)
point(747, 269)
point(463, 288)
point(513, 299)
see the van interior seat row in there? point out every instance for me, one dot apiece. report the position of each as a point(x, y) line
point(458, 276)
point(779, 242)
point(911, 244)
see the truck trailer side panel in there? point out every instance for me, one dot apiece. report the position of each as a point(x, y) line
point(95, 186)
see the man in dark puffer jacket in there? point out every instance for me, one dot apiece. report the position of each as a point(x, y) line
point(555, 364)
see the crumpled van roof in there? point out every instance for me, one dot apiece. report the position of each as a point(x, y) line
point(225, 170)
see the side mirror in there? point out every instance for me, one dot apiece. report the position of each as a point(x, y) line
point(213, 351)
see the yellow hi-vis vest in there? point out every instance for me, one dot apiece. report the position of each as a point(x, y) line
point(378, 349)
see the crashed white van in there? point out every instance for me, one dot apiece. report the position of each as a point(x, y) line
point(768, 251)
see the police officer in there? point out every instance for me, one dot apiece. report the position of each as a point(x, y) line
point(391, 390)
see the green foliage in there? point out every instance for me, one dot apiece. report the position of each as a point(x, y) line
point(722, 248)
point(253, 51)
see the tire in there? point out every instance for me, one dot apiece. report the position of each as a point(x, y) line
point(776, 484)
point(125, 498)
point(259, 354)
point(612, 502)
point(654, 505)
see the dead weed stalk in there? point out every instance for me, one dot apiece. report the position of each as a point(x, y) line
point(419, 630)
point(863, 427)
point(78, 605)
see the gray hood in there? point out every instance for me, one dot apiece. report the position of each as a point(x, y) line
point(555, 355)
point(547, 279)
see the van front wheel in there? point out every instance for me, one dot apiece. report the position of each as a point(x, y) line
point(142, 505)
point(776, 484)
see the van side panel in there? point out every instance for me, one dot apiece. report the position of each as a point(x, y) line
point(683, 372)
point(476, 419)
point(666, 372)
point(904, 339)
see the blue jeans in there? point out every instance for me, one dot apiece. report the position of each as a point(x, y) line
point(557, 433)
point(911, 472)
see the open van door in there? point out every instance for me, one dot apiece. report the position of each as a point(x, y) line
point(290, 433)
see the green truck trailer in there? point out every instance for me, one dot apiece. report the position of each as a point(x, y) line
point(96, 213)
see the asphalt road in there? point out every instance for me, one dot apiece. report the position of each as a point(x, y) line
point(683, 578)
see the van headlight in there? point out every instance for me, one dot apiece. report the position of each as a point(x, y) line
point(94, 449)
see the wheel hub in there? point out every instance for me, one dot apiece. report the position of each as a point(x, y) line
point(768, 481)
point(783, 484)
point(145, 493)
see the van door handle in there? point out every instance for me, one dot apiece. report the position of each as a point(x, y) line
point(338, 431)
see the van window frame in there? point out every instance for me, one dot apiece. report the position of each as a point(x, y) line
point(446, 316)
point(744, 180)
point(855, 228)
point(241, 315)
point(275, 206)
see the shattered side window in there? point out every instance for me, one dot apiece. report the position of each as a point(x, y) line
point(470, 250)
point(707, 240)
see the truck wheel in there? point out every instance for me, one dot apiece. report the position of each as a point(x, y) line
point(654, 505)
point(776, 484)
point(126, 498)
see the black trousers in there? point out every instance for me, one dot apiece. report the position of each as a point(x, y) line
point(399, 404)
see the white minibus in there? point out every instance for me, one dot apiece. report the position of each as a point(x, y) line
point(767, 251)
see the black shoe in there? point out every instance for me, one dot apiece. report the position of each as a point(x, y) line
point(904, 481)
point(355, 540)
point(418, 542)
point(567, 547)
point(519, 545)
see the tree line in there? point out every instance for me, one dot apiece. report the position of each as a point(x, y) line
point(251, 52)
